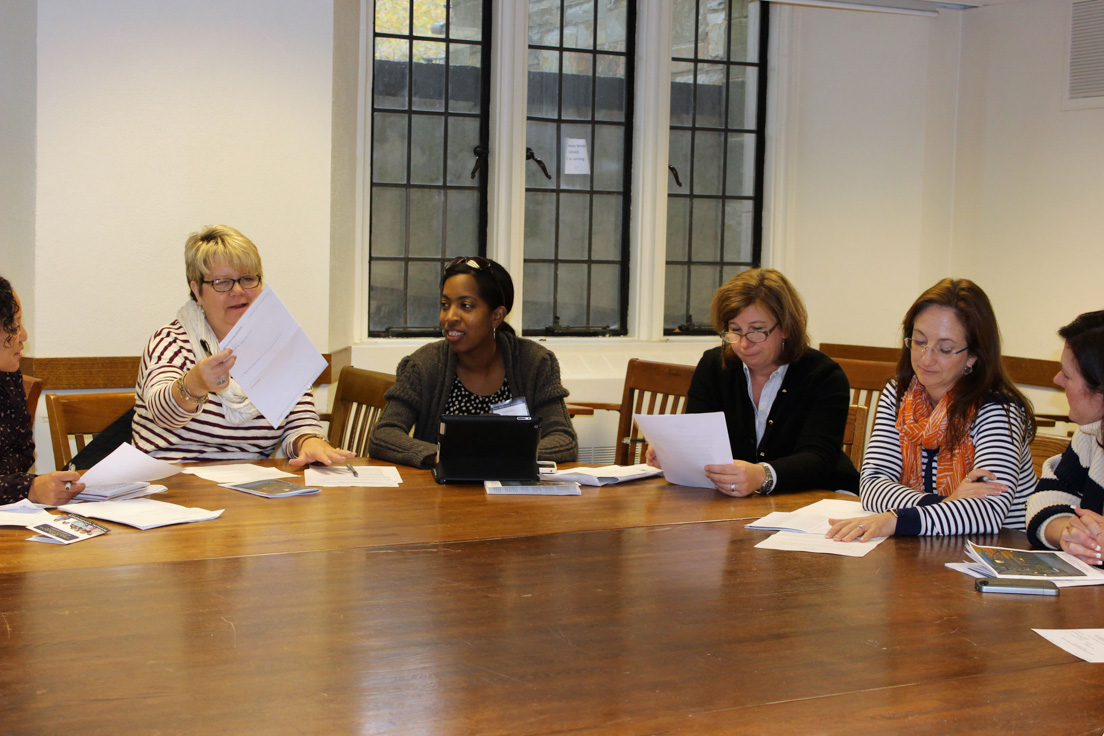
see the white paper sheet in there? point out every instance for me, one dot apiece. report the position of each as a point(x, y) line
point(276, 361)
point(686, 443)
point(236, 473)
point(1088, 644)
point(127, 464)
point(370, 476)
point(802, 542)
point(576, 160)
point(143, 513)
point(811, 519)
point(23, 513)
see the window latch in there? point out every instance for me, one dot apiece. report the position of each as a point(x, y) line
point(674, 172)
point(480, 153)
point(530, 156)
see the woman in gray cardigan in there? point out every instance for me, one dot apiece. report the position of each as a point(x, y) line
point(481, 362)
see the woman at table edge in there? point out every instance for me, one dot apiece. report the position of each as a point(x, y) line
point(785, 404)
point(1065, 510)
point(952, 454)
point(17, 446)
point(188, 407)
point(480, 361)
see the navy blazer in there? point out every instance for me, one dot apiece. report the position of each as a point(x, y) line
point(803, 440)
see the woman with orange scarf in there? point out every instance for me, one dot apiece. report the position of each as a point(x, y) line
point(950, 454)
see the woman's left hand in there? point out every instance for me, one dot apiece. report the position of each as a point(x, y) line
point(863, 528)
point(318, 450)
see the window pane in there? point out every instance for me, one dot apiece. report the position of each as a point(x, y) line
point(388, 221)
point(710, 96)
point(741, 165)
point(578, 86)
point(427, 144)
point(705, 235)
point(682, 93)
point(679, 157)
point(540, 226)
point(428, 208)
point(610, 96)
point(674, 298)
point(544, 23)
point(541, 137)
point(390, 73)
point(612, 20)
point(466, 20)
point(571, 295)
point(712, 30)
point(462, 230)
point(738, 229)
point(678, 228)
point(576, 133)
point(743, 45)
point(423, 294)
point(544, 84)
point(605, 233)
point(708, 162)
point(393, 16)
point(462, 140)
point(386, 287)
point(742, 91)
point(683, 30)
point(429, 18)
point(464, 83)
point(539, 280)
point(579, 24)
point(389, 148)
point(605, 288)
point(429, 76)
point(609, 158)
point(574, 226)
point(704, 281)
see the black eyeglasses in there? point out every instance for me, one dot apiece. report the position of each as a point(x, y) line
point(247, 282)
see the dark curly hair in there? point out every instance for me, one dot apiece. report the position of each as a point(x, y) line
point(8, 308)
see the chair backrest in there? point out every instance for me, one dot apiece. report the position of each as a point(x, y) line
point(650, 388)
point(854, 434)
point(79, 417)
point(357, 405)
point(32, 387)
point(1045, 446)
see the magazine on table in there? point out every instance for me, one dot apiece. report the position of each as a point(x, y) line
point(67, 529)
point(602, 476)
point(273, 488)
point(1023, 564)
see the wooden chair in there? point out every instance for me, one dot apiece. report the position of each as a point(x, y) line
point(854, 434)
point(32, 387)
point(357, 405)
point(650, 388)
point(1045, 446)
point(79, 417)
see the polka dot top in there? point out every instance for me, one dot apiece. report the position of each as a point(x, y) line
point(16, 439)
point(464, 402)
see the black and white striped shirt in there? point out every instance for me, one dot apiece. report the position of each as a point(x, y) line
point(1001, 446)
point(165, 430)
point(1070, 480)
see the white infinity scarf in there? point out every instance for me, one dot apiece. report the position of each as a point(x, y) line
point(239, 410)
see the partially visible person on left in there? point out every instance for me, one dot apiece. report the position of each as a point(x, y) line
point(16, 435)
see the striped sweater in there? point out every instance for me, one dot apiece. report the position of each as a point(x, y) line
point(1001, 446)
point(1074, 478)
point(165, 430)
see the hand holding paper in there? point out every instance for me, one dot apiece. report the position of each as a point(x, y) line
point(686, 443)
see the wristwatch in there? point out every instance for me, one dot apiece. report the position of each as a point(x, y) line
point(768, 481)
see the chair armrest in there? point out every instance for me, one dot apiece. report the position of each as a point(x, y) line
point(599, 405)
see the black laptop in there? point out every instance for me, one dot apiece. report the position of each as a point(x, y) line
point(472, 449)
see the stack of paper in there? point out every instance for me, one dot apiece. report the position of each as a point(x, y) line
point(118, 492)
point(124, 474)
point(142, 513)
point(23, 513)
point(604, 475)
point(520, 488)
point(368, 476)
point(803, 530)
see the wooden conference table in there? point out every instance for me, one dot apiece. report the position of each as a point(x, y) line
point(634, 609)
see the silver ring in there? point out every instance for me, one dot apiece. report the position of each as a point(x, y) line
point(733, 488)
point(862, 527)
point(220, 382)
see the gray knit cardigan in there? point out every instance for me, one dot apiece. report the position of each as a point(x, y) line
point(425, 378)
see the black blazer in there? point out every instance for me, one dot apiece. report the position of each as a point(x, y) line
point(803, 440)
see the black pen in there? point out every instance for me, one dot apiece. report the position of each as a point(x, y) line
point(206, 347)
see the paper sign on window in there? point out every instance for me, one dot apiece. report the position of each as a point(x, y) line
point(576, 160)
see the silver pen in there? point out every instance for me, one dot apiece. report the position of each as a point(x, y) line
point(352, 470)
point(69, 466)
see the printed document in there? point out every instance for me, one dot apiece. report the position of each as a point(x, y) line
point(368, 476)
point(276, 360)
point(811, 519)
point(127, 464)
point(142, 513)
point(1088, 644)
point(802, 542)
point(23, 513)
point(685, 443)
point(236, 473)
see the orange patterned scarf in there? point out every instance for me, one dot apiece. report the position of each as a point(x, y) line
point(922, 427)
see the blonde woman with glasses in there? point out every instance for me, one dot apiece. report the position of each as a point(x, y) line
point(785, 404)
point(950, 451)
point(188, 406)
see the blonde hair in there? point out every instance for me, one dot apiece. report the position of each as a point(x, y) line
point(774, 291)
point(221, 244)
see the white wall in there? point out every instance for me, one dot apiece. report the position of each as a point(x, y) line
point(17, 136)
point(156, 118)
